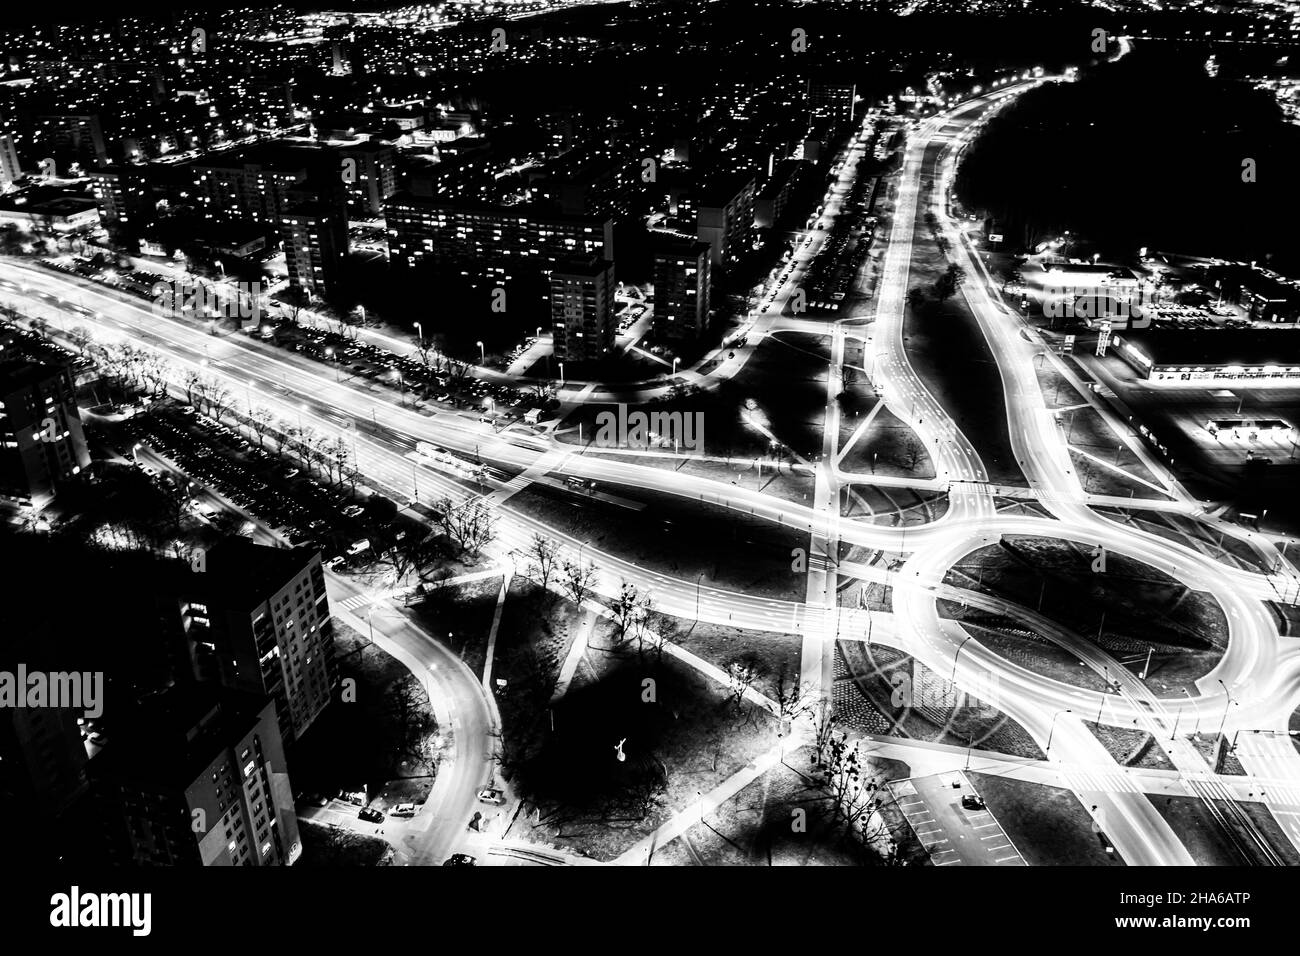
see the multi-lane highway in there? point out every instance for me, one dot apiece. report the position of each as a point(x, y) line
point(1256, 684)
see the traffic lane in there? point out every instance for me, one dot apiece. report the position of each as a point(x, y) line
point(466, 718)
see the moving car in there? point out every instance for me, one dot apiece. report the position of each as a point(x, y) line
point(491, 795)
point(971, 801)
point(459, 859)
point(370, 814)
point(403, 810)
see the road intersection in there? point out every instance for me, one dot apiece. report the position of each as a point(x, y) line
point(1259, 672)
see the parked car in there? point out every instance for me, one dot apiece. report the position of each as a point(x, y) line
point(459, 859)
point(370, 815)
point(972, 802)
point(403, 810)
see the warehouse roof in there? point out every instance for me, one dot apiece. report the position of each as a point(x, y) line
point(1216, 347)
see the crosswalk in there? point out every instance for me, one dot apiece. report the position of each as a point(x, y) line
point(356, 602)
point(1099, 782)
point(547, 463)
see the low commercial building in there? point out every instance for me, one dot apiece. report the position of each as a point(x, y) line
point(43, 215)
point(1260, 356)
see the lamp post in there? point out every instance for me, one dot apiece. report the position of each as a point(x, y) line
point(1053, 727)
point(676, 361)
point(1226, 705)
point(957, 655)
point(561, 373)
point(482, 354)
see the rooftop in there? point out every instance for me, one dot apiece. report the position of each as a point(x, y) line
point(1216, 347)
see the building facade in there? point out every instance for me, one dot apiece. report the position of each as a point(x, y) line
point(315, 247)
point(725, 217)
point(441, 233)
point(41, 440)
point(683, 286)
point(258, 621)
point(582, 309)
point(201, 780)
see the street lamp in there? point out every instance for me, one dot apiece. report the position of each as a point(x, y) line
point(676, 360)
point(419, 329)
point(482, 354)
point(957, 655)
point(1053, 728)
point(1226, 705)
point(561, 373)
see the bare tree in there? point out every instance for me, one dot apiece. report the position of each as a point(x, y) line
point(793, 698)
point(471, 525)
point(409, 705)
point(155, 370)
point(911, 452)
point(457, 371)
point(742, 672)
point(259, 420)
point(624, 608)
point(541, 557)
point(219, 399)
point(339, 455)
point(80, 337)
point(577, 580)
point(854, 794)
point(193, 383)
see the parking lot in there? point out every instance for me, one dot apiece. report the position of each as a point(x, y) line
point(304, 509)
point(953, 834)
